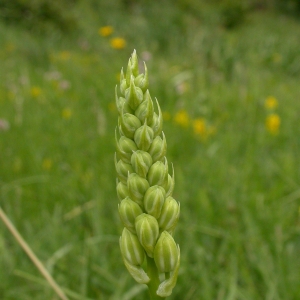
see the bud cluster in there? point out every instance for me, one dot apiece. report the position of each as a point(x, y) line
point(147, 209)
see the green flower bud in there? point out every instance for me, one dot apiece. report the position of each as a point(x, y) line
point(147, 231)
point(122, 105)
point(158, 148)
point(131, 248)
point(158, 174)
point(134, 64)
point(134, 95)
point(157, 121)
point(122, 169)
point(165, 288)
point(142, 80)
point(129, 124)
point(145, 110)
point(128, 211)
point(137, 272)
point(141, 161)
point(154, 200)
point(145, 82)
point(128, 73)
point(138, 79)
point(122, 190)
point(137, 187)
point(169, 214)
point(171, 184)
point(165, 253)
point(143, 137)
point(125, 146)
point(123, 85)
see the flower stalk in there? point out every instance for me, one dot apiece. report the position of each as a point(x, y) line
point(147, 209)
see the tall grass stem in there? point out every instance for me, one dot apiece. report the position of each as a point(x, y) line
point(31, 255)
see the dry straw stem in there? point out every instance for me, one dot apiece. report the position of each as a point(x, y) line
point(32, 256)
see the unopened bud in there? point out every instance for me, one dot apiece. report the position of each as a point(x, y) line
point(145, 110)
point(147, 231)
point(145, 82)
point(154, 200)
point(129, 124)
point(142, 80)
point(158, 174)
point(165, 288)
point(143, 137)
point(125, 146)
point(158, 148)
point(131, 248)
point(137, 187)
point(141, 161)
point(134, 95)
point(122, 190)
point(157, 121)
point(128, 211)
point(165, 253)
point(128, 73)
point(122, 105)
point(134, 64)
point(122, 169)
point(138, 79)
point(169, 214)
point(171, 184)
point(123, 84)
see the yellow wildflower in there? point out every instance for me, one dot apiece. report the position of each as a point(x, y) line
point(105, 30)
point(182, 118)
point(64, 55)
point(47, 164)
point(273, 123)
point(35, 91)
point(117, 43)
point(271, 102)
point(66, 113)
point(199, 127)
point(202, 129)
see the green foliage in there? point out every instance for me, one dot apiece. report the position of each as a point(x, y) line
point(232, 13)
point(290, 6)
point(39, 15)
point(237, 182)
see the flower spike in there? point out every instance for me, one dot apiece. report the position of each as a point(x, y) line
point(144, 186)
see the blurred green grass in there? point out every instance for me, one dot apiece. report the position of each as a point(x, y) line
point(238, 184)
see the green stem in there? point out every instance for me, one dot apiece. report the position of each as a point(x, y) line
point(154, 279)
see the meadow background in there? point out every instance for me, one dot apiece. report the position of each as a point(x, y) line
point(227, 77)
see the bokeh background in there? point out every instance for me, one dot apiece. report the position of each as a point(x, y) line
point(226, 74)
